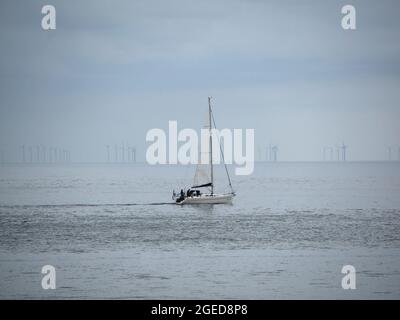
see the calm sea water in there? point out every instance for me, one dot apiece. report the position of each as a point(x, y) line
point(111, 231)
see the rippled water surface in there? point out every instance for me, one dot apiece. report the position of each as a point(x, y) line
point(112, 231)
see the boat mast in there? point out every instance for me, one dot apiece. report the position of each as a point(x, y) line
point(211, 158)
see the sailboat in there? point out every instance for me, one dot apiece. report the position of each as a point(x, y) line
point(204, 178)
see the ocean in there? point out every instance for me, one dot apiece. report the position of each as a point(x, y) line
point(113, 231)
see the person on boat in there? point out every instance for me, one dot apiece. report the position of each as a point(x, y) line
point(181, 196)
point(193, 193)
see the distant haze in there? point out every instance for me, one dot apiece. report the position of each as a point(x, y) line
point(113, 70)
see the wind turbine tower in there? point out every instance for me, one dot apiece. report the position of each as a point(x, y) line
point(23, 154)
point(37, 153)
point(30, 154)
point(344, 147)
point(275, 152)
point(270, 153)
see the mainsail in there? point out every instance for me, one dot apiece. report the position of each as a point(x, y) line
point(202, 176)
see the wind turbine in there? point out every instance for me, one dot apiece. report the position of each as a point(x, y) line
point(344, 147)
point(275, 152)
point(30, 154)
point(271, 158)
point(23, 154)
point(337, 152)
point(38, 153)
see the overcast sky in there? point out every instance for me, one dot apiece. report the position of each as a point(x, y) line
point(112, 70)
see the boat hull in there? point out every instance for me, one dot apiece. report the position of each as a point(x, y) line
point(208, 199)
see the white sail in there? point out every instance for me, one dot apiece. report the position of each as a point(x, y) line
point(202, 175)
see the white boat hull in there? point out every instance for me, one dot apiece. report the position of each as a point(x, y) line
point(208, 199)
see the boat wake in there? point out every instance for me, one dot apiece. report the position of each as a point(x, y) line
point(85, 205)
